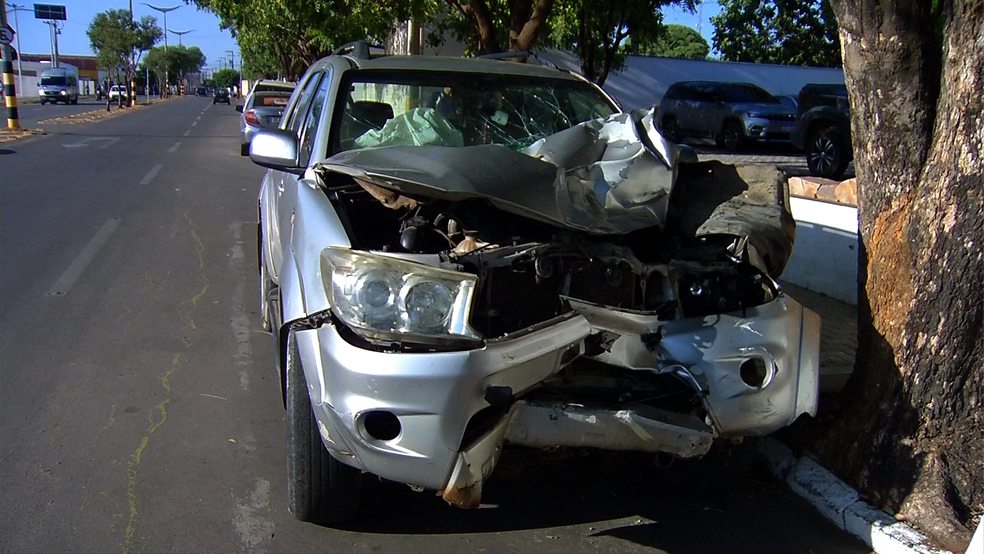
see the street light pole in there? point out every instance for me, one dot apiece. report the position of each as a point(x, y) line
point(163, 11)
point(180, 33)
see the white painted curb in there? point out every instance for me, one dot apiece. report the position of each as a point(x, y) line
point(841, 504)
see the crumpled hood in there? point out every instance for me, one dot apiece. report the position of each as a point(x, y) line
point(611, 175)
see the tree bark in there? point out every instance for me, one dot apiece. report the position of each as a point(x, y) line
point(911, 434)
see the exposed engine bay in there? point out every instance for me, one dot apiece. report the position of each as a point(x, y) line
point(612, 230)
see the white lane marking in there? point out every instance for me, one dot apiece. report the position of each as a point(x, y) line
point(175, 147)
point(85, 257)
point(197, 118)
point(186, 133)
point(151, 174)
point(193, 123)
point(85, 142)
point(239, 320)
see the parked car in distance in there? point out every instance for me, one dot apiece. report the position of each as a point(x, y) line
point(823, 129)
point(200, 91)
point(271, 85)
point(458, 255)
point(262, 110)
point(116, 91)
point(733, 114)
point(60, 84)
point(221, 95)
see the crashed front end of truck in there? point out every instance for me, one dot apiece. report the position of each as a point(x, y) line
point(600, 288)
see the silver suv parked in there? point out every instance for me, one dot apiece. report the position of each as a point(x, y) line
point(731, 113)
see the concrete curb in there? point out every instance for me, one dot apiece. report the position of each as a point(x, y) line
point(841, 504)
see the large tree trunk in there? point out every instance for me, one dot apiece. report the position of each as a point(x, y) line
point(913, 429)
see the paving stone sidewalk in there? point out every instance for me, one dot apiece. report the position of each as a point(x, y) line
point(838, 334)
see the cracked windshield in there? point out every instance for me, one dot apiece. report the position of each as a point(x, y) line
point(455, 109)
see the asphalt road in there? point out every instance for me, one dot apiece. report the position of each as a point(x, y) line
point(139, 408)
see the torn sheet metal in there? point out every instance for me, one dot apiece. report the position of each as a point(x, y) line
point(599, 177)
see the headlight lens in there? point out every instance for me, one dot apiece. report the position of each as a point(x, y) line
point(395, 299)
point(63, 93)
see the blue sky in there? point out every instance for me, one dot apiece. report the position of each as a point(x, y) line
point(73, 40)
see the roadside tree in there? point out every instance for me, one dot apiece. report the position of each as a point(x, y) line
point(226, 78)
point(787, 32)
point(119, 42)
point(679, 41)
point(296, 33)
point(911, 433)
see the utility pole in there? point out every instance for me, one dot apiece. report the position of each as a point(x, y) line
point(9, 91)
point(232, 64)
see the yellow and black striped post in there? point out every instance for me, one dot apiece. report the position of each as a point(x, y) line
point(133, 91)
point(10, 94)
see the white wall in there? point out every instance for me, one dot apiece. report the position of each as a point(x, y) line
point(645, 79)
point(825, 257)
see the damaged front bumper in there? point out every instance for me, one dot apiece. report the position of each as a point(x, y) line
point(439, 420)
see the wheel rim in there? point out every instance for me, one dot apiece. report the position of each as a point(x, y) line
point(731, 137)
point(822, 156)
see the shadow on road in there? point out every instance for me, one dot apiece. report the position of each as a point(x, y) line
point(624, 496)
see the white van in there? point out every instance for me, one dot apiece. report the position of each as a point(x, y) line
point(59, 85)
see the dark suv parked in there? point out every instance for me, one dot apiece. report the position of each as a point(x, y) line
point(823, 129)
point(731, 113)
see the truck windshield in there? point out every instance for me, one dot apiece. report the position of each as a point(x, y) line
point(53, 81)
point(461, 109)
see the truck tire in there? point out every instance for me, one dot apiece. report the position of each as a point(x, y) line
point(319, 487)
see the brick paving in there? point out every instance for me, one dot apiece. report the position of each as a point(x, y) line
point(838, 334)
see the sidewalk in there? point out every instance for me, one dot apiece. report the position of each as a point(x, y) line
point(838, 334)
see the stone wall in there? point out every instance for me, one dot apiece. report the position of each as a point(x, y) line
point(843, 192)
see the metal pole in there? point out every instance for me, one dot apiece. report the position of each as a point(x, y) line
point(20, 70)
point(57, 31)
point(9, 91)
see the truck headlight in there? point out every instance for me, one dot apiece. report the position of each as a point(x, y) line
point(400, 300)
point(63, 93)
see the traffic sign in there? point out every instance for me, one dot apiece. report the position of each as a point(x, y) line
point(6, 35)
point(49, 11)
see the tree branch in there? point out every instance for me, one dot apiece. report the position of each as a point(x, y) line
point(531, 30)
point(487, 42)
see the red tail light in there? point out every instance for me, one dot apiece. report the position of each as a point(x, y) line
point(250, 117)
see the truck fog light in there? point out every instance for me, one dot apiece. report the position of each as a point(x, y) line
point(754, 372)
point(382, 425)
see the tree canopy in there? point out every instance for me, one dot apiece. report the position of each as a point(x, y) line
point(596, 29)
point(679, 41)
point(292, 34)
point(118, 41)
point(176, 62)
point(787, 32)
point(226, 78)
